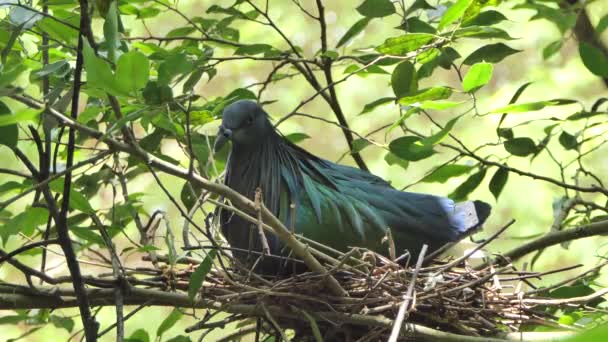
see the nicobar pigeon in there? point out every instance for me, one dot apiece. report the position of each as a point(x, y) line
point(336, 205)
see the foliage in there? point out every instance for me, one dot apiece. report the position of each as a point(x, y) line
point(90, 106)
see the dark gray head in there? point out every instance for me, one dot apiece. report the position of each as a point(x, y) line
point(245, 123)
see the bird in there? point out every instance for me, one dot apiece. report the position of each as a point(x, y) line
point(336, 205)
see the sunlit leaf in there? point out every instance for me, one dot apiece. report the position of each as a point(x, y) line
point(403, 44)
point(481, 32)
point(297, 137)
point(478, 75)
point(429, 94)
point(454, 13)
point(532, 106)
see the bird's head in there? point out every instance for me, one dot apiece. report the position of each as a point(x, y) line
point(244, 122)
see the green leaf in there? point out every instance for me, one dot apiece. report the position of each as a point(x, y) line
point(8, 76)
point(392, 159)
point(417, 5)
point(602, 25)
point(377, 103)
point(492, 53)
point(478, 75)
point(487, 18)
point(88, 235)
point(376, 8)
point(198, 276)
point(404, 80)
point(24, 115)
point(110, 31)
point(403, 44)
point(439, 136)
point(481, 32)
point(193, 79)
point(132, 71)
point(521, 147)
point(468, 186)
point(359, 145)
point(552, 48)
point(77, 199)
point(445, 172)
point(25, 222)
point(155, 94)
point(568, 141)
point(454, 13)
point(59, 31)
point(428, 94)
point(62, 322)
point(253, 49)
point(354, 30)
point(594, 59)
point(364, 72)
point(410, 148)
point(438, 105)
point(9, 134)
point(179, 338)
point(428, 56)
point(60, 68)
point(139, 335)
point(99, 72)
point(593, 335)
point(169, 322)
point(180, 32)
point(498, 182)
point(297, 137)
point(414, 24)
point(172, 66)
point(532, 106)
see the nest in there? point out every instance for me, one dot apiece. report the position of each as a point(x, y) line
point(431, 299)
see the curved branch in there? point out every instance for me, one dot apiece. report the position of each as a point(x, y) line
point(554, 238)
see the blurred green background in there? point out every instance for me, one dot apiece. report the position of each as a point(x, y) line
point(524, 199)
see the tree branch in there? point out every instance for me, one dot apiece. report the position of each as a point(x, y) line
point(554, 238)
point(64, 298)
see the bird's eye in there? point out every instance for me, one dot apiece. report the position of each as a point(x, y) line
point(249, 120)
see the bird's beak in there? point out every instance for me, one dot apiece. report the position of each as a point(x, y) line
point(223, 136)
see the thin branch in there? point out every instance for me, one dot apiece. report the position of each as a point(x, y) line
point(407, 298)
point(554, 238)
